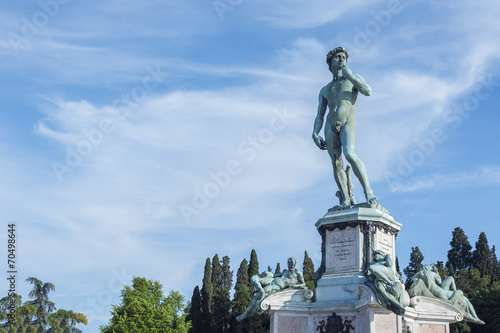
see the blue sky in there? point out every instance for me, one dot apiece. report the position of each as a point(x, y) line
point(117, 114)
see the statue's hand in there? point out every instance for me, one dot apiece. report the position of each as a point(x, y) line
point(318, 140)
point(346, 72)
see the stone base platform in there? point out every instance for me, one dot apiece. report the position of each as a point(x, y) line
point(292, 312)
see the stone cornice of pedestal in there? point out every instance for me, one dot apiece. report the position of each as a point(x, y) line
point(427, 308)
point(358, 214)
point(289, 299)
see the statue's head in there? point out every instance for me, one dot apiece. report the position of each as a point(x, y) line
point(337, 58)
point(378, 255)
point(291, 263)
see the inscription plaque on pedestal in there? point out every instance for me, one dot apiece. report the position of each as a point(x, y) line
point(343, 250)
point(385, 242)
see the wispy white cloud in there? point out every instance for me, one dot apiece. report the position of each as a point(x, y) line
point(479, 176)
point(292, 14)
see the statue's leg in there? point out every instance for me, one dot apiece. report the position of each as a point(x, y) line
point(449, 283)
point(348, 139)
point(335, 151)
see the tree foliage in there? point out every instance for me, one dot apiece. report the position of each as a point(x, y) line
point(253, 266)
point(459, 256)
point(222, 282)
point(415, 265)
point(308, 271)
point(145, 309)
point(37, 315)
point(43, 306)
point(195, 314)
point(242, 296)
point(481, 256)
point(478, 278)
point(206, 296)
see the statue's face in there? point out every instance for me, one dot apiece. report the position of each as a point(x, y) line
point(338, 61)
point(290, 264)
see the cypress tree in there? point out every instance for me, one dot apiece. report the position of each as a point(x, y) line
point(415, 265)
point(214, 279)
point(222, 288)
point(242, 296)
point(257, 323)
point(481, 257)
point(206, 297)
point(242, 292)
point(307, 267)
point(398, 270)
point(460, 253)
point(253, 267)
point(308, 271)
point(195, 314)
point(495, 276)
point(278, 269)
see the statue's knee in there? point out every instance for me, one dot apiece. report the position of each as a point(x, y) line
point(350, 156)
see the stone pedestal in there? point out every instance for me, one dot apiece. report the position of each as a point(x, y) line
point(348, 238)
point(342, 302)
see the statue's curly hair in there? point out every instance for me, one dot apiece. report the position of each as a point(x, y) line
point(333, 52)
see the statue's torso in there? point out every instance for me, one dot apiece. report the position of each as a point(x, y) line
point(341, 98)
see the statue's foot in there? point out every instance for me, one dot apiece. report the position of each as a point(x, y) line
point(371, 199)
point(345, 204)
point(340, 206)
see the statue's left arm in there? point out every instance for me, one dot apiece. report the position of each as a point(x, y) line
point(388, 260)
point(357, 80)
point(300, 280)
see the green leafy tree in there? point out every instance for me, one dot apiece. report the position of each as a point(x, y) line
point(470, 281)
point(486, 303)
point(206, 297)
point(308, 271)
point(144, 308)
point(415, 265)
point(63, 321)
point(459, 256)
point(37, 315)
point(43, 306)
point(195, 315)
point(24, 315)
